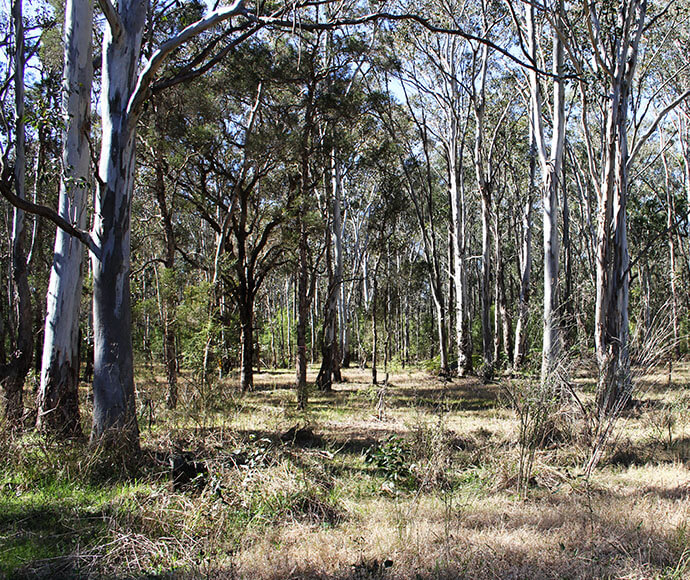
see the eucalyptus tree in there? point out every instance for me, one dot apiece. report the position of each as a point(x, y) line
point(126, 85)
point(550, 162)
point(409, 127)
point(345, 132)
point(14, 372)
point(609, 52)
point(58, 401)
point(438, 73)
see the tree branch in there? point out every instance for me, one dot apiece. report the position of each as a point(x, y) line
point(145, 79)
point(112, 17)
point(375, 16)
point(667, 109)
point(48, 213)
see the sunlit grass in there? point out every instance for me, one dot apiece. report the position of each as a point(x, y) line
point(417, 480)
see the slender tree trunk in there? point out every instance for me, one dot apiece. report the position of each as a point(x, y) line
point(374, 333)
point(14, 375)
point(551, 164)
point(485, 285)
point(302, 314)
point(483, 176)
point(339, 286)
point(58, 398)
point(169, 288)
point(568, 307)
point(525, 262)
point(497, 289)
point(458, 214)
point(670, 214)
point(246, 310)
point(288, 317)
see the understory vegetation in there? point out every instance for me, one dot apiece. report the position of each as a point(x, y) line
point(418, 478)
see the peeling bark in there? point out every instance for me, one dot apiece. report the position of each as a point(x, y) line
point(58, 398)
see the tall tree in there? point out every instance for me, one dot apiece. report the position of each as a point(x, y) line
point(13, 374)
point(58, 400)
point(550, 162)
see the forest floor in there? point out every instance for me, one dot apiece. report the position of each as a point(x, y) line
point(415, 480)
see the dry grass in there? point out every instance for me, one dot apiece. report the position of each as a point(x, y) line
point(422, 486)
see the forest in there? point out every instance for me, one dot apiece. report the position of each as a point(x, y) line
point(359, 289)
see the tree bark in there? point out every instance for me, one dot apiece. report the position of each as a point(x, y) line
point(551, 164)
point(114, 414)
point(525, 262)
point(302, 315)
point(246, 310)
point(14, 374)
point(58, 398)
point(329, 349)
point(458, 216)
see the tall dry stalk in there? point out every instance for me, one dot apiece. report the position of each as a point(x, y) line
point(647, 350)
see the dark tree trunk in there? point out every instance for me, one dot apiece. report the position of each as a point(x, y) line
point(247, 339)
point(302, 315)
point(14, 374)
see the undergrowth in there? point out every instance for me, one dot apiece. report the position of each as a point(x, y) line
point(430, 489)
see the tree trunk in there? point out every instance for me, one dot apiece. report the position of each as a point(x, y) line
point(169, 287)
point(329, 351)
point(374, 333)
point(302, 315)
point(551, 163)
point(670, 216)
point(246, 309)
point(58, 398)
point(525, 263)
point(114, 413)
point(339, 287)
point(14, 375)
point(611, 313)
point(458, 215)
point(485, 285)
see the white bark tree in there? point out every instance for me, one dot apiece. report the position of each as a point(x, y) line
point(58, 402)
point(551, 162)
point(124, 92)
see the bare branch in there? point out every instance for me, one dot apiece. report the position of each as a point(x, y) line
point(48, 213)
point(375, 16)
point(667, 109)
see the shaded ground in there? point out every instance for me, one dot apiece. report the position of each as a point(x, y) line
point(414, 480)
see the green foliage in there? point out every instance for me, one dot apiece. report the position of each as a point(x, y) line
point(392, 459)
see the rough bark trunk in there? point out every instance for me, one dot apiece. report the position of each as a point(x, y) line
point(168, 300)
point(329, 350)
point(302, 315)
point(246, 309)
point(611, 313)
point(14, 375)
